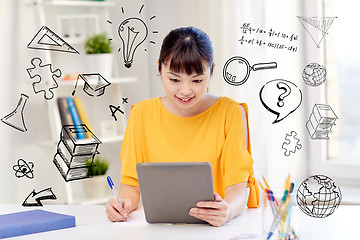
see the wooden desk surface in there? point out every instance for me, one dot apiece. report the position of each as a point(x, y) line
point(92, 223)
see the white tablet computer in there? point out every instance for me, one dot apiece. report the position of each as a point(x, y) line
point(170, 190)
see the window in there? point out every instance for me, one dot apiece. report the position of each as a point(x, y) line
point(339, 156)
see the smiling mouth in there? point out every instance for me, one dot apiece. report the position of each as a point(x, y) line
point(185, 99)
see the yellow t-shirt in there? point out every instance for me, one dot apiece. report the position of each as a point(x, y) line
point(154, 134)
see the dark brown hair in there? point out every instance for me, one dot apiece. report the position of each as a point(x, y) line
point(187, 48)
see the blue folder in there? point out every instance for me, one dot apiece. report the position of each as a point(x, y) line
point(34, 221)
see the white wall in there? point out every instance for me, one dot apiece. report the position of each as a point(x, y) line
point(220, 19)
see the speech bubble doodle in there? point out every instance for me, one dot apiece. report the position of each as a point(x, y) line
point(281, 97)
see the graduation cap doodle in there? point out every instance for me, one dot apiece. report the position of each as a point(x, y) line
point(94, 84)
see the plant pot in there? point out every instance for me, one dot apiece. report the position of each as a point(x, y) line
point(95, 187)
point(100, 63)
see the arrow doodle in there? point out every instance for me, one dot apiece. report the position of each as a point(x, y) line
point(34, 198)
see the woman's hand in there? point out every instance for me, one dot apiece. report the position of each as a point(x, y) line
point(116, 212)
point(216, 213)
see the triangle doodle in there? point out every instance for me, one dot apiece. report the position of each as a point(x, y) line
point(314, 25)
point(46, 39)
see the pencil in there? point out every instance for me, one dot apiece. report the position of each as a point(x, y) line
point(267, 185)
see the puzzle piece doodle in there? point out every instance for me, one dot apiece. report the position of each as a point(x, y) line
point(291, 143)
point(46, 76)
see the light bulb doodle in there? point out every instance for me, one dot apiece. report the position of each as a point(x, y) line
point(133, 32)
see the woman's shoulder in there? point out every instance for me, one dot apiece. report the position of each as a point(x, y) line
point(231, 103)
point(145, 105)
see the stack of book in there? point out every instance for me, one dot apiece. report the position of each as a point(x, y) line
point(72, 153)
point(321, 121)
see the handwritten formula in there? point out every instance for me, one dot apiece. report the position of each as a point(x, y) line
point(270, 38)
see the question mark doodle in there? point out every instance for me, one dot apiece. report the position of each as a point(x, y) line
point(274, 101)
point(287, 89)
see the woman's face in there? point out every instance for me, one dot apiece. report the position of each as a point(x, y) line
point(184, 90)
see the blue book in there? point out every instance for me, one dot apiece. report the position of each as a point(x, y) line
point(80, 134)
point(34, 221)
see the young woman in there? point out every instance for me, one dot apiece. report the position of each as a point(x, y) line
point(188, 124)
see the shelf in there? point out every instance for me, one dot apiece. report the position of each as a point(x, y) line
point(117, 138)
point(79, 3)
point(112, 81)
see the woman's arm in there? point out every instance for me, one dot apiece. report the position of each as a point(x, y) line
point(129, 196)
point(220, 211)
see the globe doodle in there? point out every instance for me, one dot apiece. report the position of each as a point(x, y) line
point(314, 74)
point(318, 196)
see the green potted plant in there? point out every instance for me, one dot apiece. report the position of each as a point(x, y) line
point(99, 57)
point(95, 186)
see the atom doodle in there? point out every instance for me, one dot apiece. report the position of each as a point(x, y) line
point(24, 169)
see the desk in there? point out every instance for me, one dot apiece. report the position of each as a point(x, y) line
point(92, 223)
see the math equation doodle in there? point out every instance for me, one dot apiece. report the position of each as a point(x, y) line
point(132, 32)
point(316, 25)
point(268, 38)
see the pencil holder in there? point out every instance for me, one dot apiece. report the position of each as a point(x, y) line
point(279, 215)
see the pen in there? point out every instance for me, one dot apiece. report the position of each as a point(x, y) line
point(281, 214)
point(267, 185)
point(111, 184)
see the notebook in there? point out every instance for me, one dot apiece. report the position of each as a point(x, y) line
point(33, 221)
point(170, 190)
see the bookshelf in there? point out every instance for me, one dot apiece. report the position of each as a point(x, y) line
point(50, 13)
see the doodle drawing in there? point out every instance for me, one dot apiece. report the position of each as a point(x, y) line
point(280, 97)
point(237, 69)
point(72, 153)
point(321, 121)
point(132, 32)
point(46, 39)
point(316, 25)
point(24, 169)
point(124, 100)
point(114, 109)
point(318, 196)
point(291, 143)
point(314, 74)
point(15, 119)
point(44, 83)
point(34, 199)
point(94, 84)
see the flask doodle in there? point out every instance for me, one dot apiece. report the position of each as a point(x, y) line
point(280, 97)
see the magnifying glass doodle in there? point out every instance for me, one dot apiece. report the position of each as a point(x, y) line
point(237, 69)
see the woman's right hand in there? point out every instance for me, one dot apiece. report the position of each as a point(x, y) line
point(116, 212)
